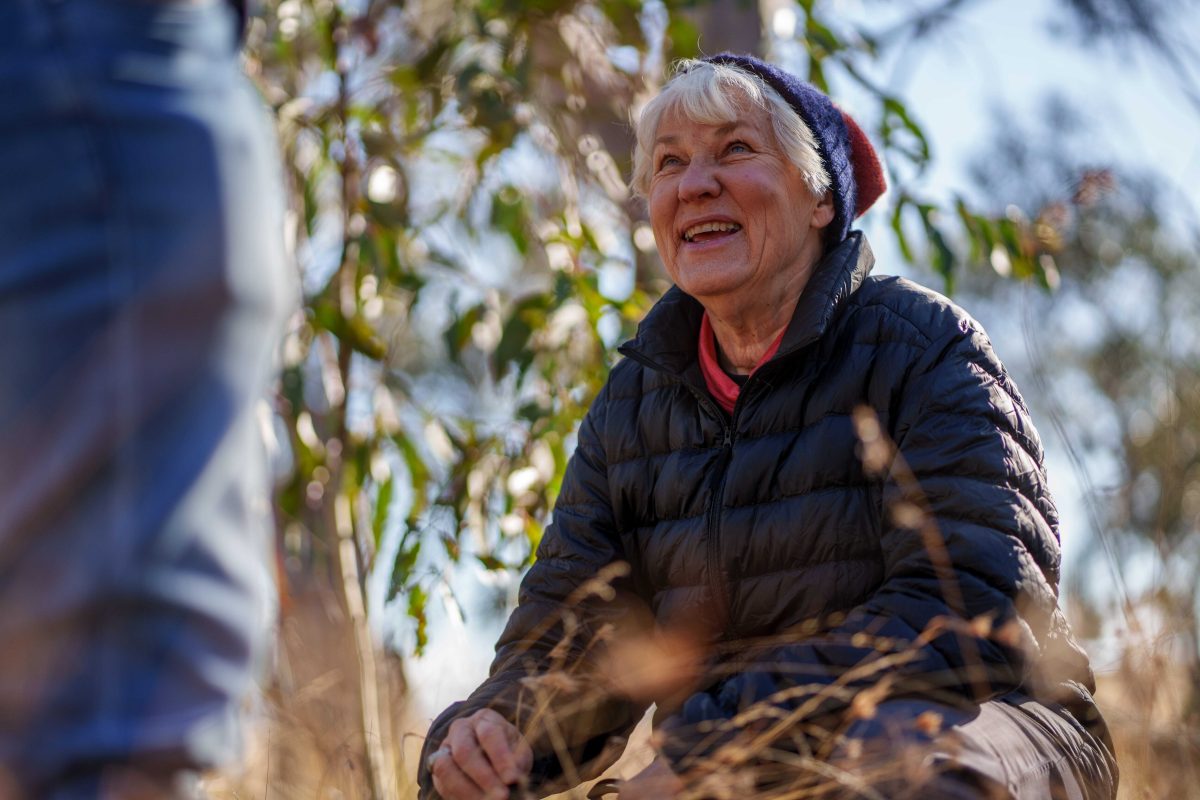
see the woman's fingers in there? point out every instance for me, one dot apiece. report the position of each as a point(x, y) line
point(469, 757)
point(449, 780)
point(476, 765)
point(481, 756)
point(506, 749)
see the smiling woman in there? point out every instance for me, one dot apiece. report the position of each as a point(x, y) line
point(820, 488)
point(736, 225)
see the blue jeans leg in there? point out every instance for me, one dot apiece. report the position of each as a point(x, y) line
point(143, 287)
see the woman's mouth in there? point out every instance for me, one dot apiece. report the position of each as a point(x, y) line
point(708, 231)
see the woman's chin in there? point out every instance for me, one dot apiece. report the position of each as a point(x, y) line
point(712, 272)
point(703, 282)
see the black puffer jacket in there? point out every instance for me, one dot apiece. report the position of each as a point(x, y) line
point(765, 521)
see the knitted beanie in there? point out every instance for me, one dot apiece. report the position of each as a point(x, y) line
point(845, 151)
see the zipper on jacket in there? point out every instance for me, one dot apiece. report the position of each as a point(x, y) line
point(717, 585)
point(716, 580)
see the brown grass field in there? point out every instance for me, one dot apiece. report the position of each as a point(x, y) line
point(306, 743)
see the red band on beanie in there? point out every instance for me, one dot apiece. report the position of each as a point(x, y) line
point(868, 172)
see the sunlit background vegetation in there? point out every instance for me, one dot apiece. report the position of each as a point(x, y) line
point(471, 256)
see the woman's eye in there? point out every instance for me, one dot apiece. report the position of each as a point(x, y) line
point(739, 147)
point(668, 161)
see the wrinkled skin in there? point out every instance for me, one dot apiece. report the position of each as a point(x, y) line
point(481, 757)
point(735, 176)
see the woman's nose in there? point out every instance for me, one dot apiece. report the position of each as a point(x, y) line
point(699, 180)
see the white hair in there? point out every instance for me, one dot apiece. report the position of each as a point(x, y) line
point(716, 94)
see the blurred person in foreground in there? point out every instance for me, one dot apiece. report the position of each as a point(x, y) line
point(143, 288)
point(870, 621)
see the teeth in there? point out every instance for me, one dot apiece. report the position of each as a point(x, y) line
point(710, 227)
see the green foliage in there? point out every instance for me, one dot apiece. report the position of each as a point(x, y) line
point(684, 37)
point(399, 126)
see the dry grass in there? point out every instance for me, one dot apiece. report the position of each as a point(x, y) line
point(1158, 749)
point(309, 744)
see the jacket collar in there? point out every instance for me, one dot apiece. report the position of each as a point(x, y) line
point(668, 337)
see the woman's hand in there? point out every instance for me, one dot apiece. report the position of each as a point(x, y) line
point(655, 781)
point(481, 757)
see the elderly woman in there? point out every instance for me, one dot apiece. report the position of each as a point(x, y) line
point(826, 481)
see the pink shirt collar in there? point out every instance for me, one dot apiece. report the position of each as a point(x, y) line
point(723, 388)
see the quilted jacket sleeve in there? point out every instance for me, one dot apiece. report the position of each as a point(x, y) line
point(569, 602)
point(968, 532)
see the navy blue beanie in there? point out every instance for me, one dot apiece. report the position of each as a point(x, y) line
point(845, 151)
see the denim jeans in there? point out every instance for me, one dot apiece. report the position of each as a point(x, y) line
point(143, 287)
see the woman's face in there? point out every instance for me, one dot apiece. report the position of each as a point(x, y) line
point(731, 214)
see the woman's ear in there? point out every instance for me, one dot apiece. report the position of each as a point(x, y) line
point(823, 211)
